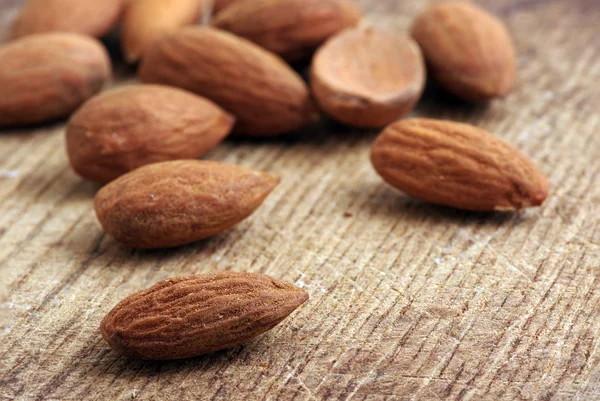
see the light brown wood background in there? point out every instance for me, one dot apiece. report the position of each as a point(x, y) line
point(408, 301)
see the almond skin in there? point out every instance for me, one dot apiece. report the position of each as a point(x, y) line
point(367, 77)
point(93, 18)
point(185, 317)
point(45, 77)
point(175, 203)
point(469, 52)
point(145, 21)
point(457, 165)
point(291, 28)
point(265, 95)
point(219, 5)
point(123, 129)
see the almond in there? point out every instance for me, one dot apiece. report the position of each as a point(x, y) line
point(266, 96)
point(219, 5)
point(88, 17)
point(367, 77)
point(290, 28)
point(145, 21)
point(189, 316)
point(122, 129)
point(457, 165)
point(175, 203)
point(45, 77)
point(468, 51)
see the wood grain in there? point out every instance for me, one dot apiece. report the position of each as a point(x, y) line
point(408, 301)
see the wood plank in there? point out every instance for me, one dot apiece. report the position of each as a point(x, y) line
point(408, 300)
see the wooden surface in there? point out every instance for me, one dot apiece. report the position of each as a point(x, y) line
point(408, 301)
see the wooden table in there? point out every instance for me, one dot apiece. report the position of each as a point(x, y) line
point(408, 301)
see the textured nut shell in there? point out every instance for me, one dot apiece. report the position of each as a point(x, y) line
point(367, 77)
point(178, 202)
point(457, 165)
point(88, 17)
point(147, 20)
point(45, 77)
point(266, 96)
point(469, 52)
point(122, 129)
point(290, 28)
point(189, 316)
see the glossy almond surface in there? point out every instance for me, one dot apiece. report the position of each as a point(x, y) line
point(47, 76)
point(367, 77)
point(122, 129)
point(189, 316)
point(469, 51)
point(145, 21)
point(175, 203)
point(457, 165)
point(87, 17)
point(290, 28)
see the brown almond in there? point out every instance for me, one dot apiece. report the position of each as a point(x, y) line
point(175, 203)
point(123, 129)
point(468, 51)
point(219, 5)
point(457, 165)
point(145, 21)
point(45, 77)
point(291, 28)
point(367, 77)
point(189, 316)
point(87, 17)
point(265, 95)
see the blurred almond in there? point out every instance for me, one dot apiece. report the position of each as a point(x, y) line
point(290, 28)
point(122, 129)
point(219, 5)
point(367, 77)
point(265, 95)
point(457, 165)
point(88, 17)
point(145, 21)
point(468, 51)
point(47, 76)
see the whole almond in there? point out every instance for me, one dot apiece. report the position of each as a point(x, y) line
point(45, 77)
point(145, 21)
point(457, 165)
point(266, 96)
point(122, 129)
point(290, 28)
point(468, 51)
point(175, 203)
point(189, 316)
point(367, 77)
point(88, 17)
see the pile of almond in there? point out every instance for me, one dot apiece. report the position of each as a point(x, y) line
point(200, 84)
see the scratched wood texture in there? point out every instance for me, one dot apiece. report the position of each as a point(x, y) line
point(408, 301)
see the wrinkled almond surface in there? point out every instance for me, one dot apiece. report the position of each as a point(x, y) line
point(457, 165)
point(47, 76)
point(265, 95)
point(178, 202)
point(147, 20)
point(87, 17)
point(122, 129)
point(468, 51)
point(367, 77)
point(290, 28)
point(189, 316)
